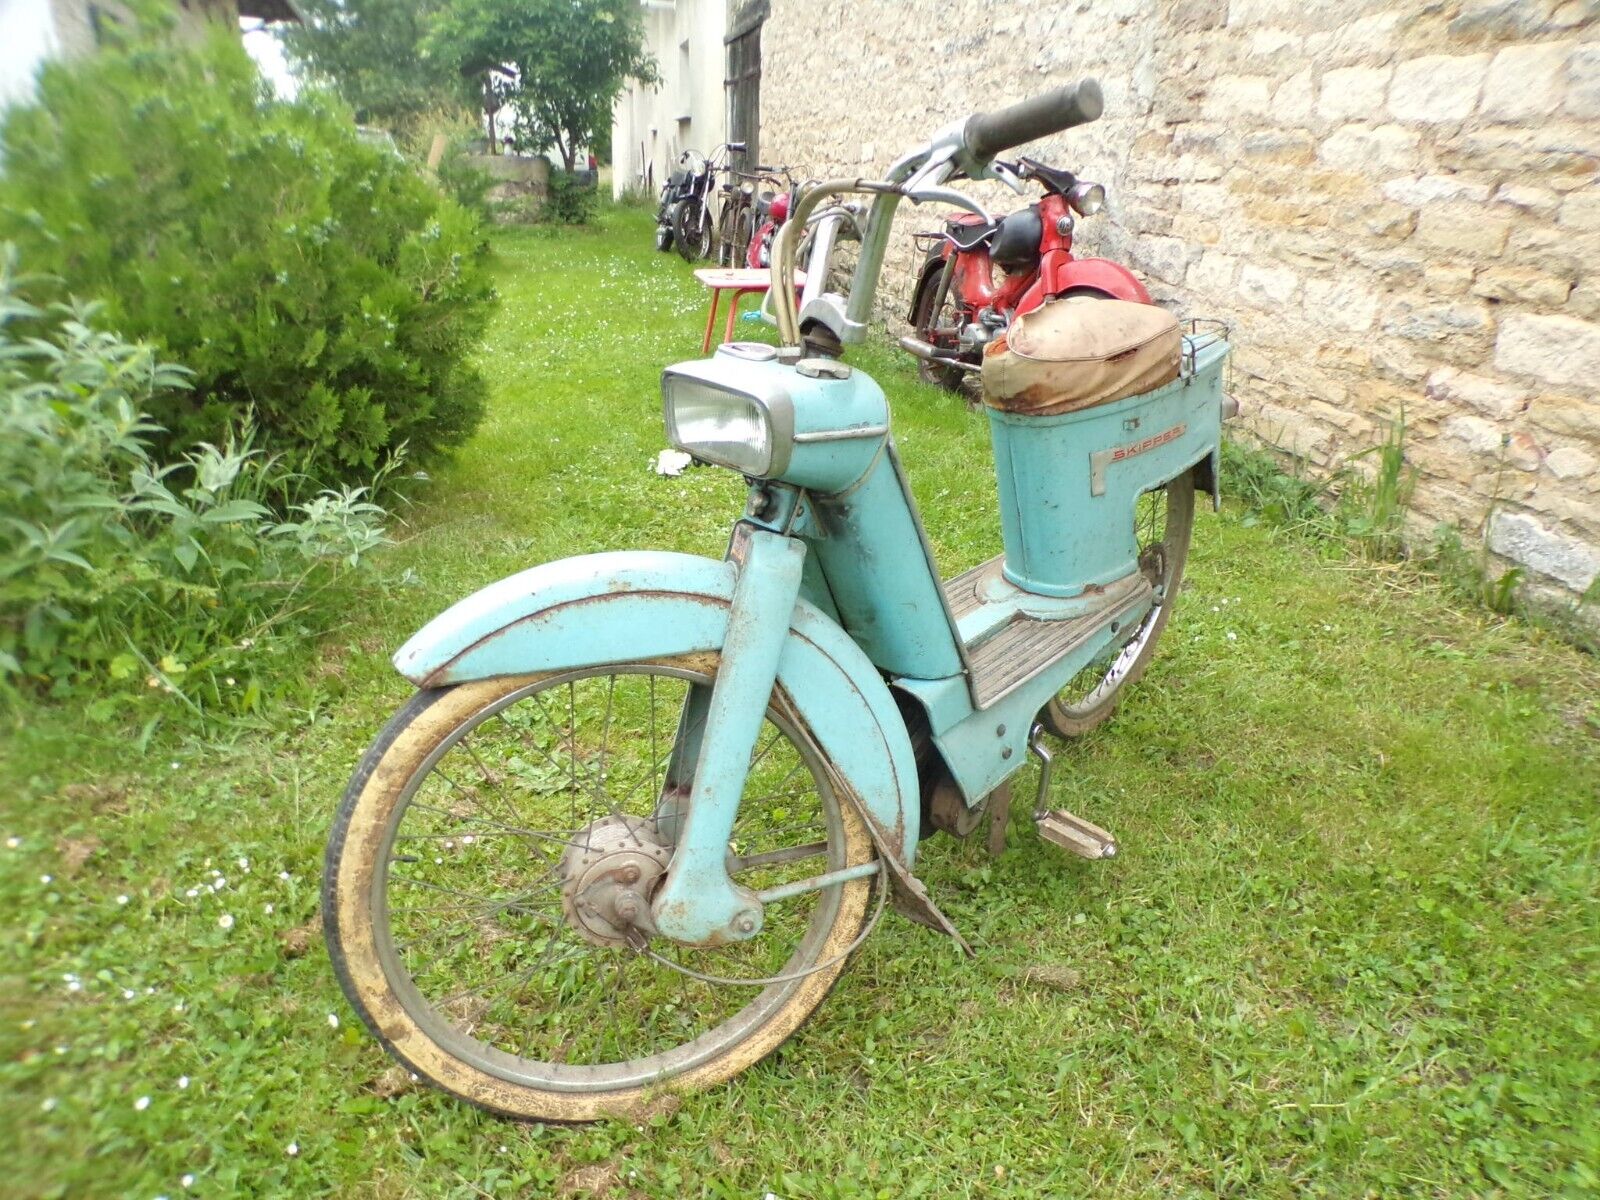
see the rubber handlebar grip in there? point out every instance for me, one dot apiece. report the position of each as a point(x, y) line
point(987, 134)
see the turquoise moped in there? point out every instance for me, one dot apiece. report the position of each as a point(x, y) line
point(645, 805)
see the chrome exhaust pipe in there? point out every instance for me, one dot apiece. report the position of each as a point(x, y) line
point(922, 350)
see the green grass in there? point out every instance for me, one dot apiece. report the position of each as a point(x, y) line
point(1349, 946)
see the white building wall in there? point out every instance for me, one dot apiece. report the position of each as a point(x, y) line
point(687, 110)
point(32, 31)
point(27, 37)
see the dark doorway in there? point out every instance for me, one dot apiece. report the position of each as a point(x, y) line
point(743, 81)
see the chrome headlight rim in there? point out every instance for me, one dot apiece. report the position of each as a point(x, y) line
point(772, 403)
point(1087, 199)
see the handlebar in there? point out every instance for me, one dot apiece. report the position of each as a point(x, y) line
point(987, 134)
point(966, 147)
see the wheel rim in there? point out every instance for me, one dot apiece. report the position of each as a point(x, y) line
point(942, 310)
point(555, 1012)
point(1160, 560)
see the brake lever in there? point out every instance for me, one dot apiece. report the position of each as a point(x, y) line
point(944, 195)
point(1008, 174)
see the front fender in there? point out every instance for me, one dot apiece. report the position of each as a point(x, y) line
point(1101, 274)
point(617, 607)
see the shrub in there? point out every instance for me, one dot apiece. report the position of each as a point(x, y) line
point(298, 273)
point(123, 575)
point(464, 182)
point(570, 201)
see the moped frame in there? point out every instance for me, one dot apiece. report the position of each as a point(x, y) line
point(831, 559)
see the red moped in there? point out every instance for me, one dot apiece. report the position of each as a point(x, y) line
point(959, 304)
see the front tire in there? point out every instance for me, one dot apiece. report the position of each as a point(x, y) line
point(566, 1029)
point(691, 231)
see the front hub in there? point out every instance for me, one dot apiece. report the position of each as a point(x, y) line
point(609, 873)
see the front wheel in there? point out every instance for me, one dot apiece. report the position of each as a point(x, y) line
point(691, 231)
point(1163, 522)
point(478, 847)
point(729, 249)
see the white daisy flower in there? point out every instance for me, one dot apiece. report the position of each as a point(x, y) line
point(225, 920)
point(142, 1103)
point(123, 899)
point(292, 1149)
point(333, 1020)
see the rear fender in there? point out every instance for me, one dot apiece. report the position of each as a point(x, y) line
point(598, 609)
point(932, 266)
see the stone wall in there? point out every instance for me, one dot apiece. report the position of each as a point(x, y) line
point(1395, 205)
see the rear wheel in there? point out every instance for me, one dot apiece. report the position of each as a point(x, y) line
point(1163, 522)
point(471, 897)
point(935, 316)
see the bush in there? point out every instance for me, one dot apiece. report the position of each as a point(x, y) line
point(122, 575)
point(465, 183)
point(570, 201)
point(300, 274)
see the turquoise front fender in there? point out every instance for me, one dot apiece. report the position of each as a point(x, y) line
point(617, 607)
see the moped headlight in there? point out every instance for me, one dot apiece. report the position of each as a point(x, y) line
point(726, 427)
point(1087, 198)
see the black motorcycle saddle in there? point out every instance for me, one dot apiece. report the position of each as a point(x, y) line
point(1013, 239)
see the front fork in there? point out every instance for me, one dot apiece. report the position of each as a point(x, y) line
point(698, 904)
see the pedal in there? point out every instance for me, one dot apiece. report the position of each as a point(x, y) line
point(1057, 825)
point(1081, 837)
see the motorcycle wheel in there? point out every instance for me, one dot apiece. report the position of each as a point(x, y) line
point(744, 231)
point(691, 230)
point(459, 893)
point(1163, 522)
point(933, 308)
point(727, 227)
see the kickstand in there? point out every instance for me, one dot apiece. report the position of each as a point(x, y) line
point(999, 818)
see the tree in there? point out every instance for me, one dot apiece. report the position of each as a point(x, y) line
point(558, 63)
point(369, 51)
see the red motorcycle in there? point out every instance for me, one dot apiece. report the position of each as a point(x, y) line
point(767, 217)
point(959, 305)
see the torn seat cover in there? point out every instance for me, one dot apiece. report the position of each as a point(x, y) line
point(1076, 353)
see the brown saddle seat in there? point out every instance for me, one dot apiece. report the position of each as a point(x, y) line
point(1074, 354)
